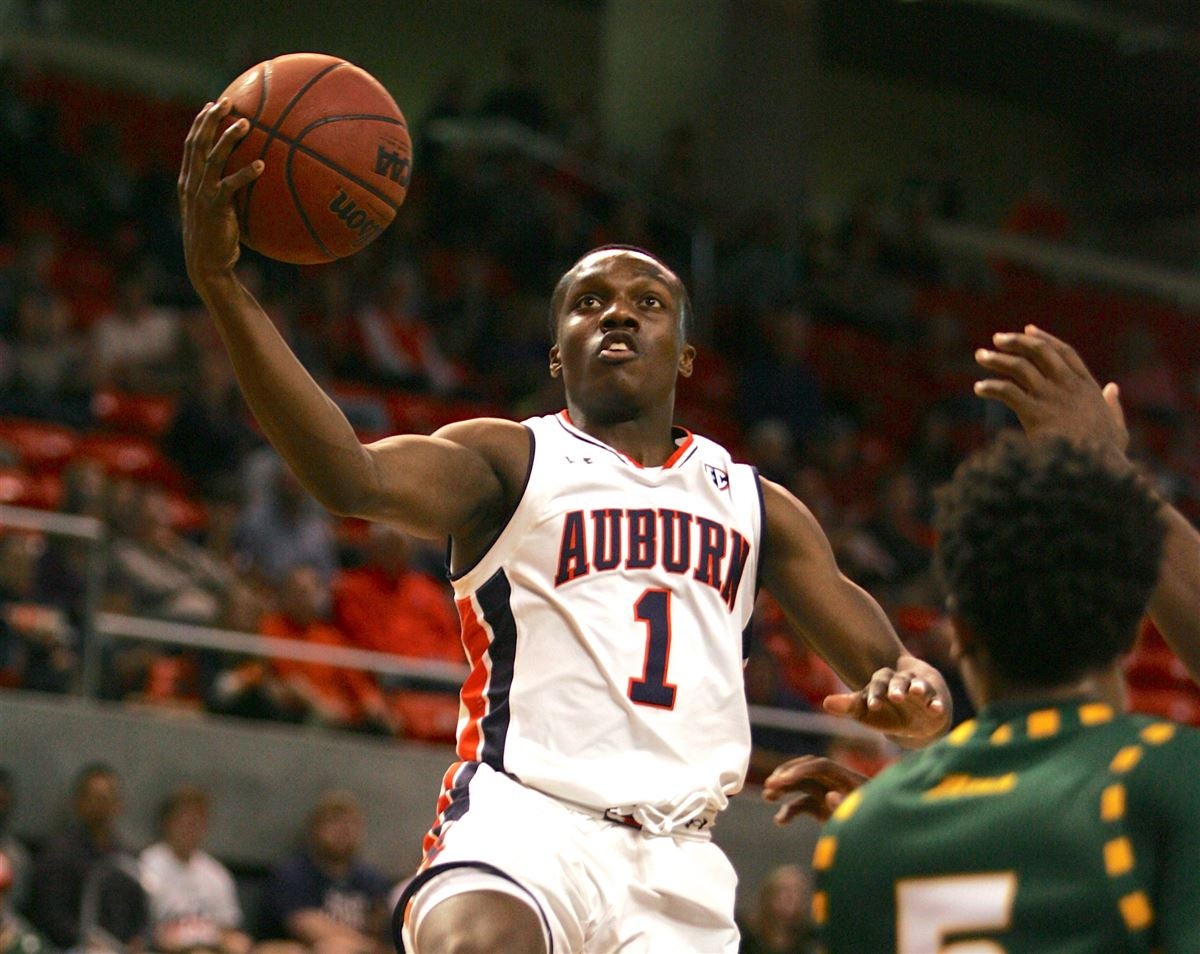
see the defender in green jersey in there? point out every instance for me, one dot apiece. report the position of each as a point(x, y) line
point(1050, 823)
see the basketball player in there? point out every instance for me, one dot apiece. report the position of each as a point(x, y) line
point(1047, 385)
point(1051, 822)
point(604, 564)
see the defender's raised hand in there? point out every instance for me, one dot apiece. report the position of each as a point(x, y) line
point(909, 702)
point(1047, 385)
point(210, 227)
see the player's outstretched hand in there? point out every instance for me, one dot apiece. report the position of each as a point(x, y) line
point(210, 228)
point(818, 784)
point(1047, 385)
point(909, 702)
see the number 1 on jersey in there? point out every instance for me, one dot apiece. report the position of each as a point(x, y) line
point(654, 609)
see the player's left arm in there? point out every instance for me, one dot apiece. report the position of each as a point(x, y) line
point(829, 613)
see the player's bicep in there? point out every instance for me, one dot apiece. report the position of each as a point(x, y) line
point(429, 486)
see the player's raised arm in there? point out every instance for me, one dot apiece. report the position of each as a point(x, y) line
point(432, 486)
point(899, 694)
point(1047, 385)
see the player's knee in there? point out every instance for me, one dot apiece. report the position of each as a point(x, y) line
point(481, 922)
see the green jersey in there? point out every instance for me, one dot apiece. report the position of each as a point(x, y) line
point(1055, 828)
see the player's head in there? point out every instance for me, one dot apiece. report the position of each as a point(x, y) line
point(682, 299)
point(1049, 552)
point(620, 321)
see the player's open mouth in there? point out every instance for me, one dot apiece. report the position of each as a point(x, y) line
point(617, 347)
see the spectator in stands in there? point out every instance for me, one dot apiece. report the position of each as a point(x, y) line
point(44, 377)
point(37, 641)
point(517, 97)
point(156, 572)
point(399, 346)
point(905, 538)
point(282, 526)
point(779, 923)
point(20, 869)
point(193, 901)
point(779, 382)
point(81, 880)
point(319, 692)
point(17, 936)
point(136, 346)
point(210, 435)
point(324, 896)
point(389, 606)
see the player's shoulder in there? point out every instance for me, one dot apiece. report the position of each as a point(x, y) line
point(486, 432)
point(1155, 745)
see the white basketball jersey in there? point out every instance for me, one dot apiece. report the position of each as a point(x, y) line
point(605, 626)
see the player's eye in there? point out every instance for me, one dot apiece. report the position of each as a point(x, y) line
point(652, 301)
point(587, 301)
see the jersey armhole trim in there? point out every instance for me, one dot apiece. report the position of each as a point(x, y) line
point(452, 576)
point(410, 891)
point(762, 530)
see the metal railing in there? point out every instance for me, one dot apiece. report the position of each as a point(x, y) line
point(103, 629)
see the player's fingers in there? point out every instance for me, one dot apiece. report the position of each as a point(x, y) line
point(225, 145)
point(849, 704)
point(1035, 349)
point(804, 805)
point(245, 175)
point(834, 799)
point(877, 689)
point(898, 687)
point(791, 771)
point(1068, 354)
point(1021, 370)
point(1112, 397)
point(1007, 393)
point(189, 150)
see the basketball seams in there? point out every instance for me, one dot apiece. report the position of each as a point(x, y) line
point(273, 131)
point(330, 164)
point(264, 79)
point(267, 126)
point(295, 145)
point(300, 207)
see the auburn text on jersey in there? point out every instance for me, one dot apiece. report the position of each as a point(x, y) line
point(613, 538)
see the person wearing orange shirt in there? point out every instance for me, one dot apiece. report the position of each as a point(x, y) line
point(388, 606)
point(325, 693)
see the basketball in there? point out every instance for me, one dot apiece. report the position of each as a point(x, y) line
point(336, 152)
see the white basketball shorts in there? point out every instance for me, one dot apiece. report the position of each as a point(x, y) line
point(597, 886)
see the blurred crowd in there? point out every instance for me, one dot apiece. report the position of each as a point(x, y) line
point(837, 358)
point(87, 888)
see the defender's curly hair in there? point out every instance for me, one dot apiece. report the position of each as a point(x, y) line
point(1049, 552)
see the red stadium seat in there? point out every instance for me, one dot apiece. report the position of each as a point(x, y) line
point(130, 456)
point(21, 489)
point(186, 515)
point(1178, 705)
point(146, 414)
point(41, 446)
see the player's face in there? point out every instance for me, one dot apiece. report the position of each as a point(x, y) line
point(620, 345)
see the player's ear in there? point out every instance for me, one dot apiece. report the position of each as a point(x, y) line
point(555, 361)
point(962, 640)
point(686, 357)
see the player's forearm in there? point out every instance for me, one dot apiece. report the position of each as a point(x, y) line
point(860, 640)
point(1175, 604)
point(301, 421)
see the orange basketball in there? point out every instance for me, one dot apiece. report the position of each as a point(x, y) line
point(336, 152)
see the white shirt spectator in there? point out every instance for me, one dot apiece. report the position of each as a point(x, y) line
point(191, 902)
